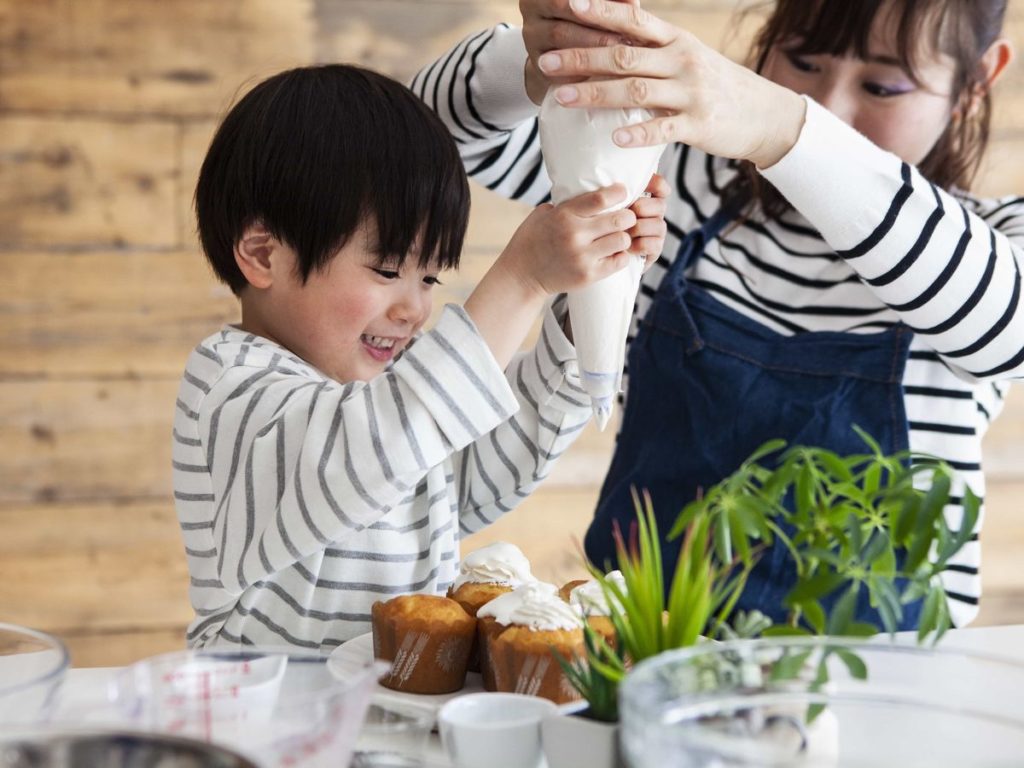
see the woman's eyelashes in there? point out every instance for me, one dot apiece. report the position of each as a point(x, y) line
point(882, 87)
point(801, 63)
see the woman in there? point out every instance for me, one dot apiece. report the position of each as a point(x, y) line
point(824, 264)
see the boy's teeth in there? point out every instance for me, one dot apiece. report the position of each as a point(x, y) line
point(379, 341)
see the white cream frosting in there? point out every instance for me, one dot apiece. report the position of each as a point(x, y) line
point(589, 599)
point(535, 605)
point(497, 563)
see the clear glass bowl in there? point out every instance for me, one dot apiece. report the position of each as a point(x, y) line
point(280, 707)
point(32, 668)
point(762, 703)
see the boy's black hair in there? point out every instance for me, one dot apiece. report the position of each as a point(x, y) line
point(311, 153)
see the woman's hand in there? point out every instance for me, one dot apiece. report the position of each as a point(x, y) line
point(549, 25)
point(702, 98)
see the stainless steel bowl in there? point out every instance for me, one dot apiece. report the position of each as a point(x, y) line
point(54, 749)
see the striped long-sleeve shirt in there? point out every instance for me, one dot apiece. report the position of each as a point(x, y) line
point(302, 500)
point(870, 242)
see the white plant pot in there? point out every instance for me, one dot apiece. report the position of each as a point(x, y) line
point(572, 740)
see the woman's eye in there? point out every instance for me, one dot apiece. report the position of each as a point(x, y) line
point(388, 273)
point(800, 63)
point(431, 280)
point(884, 91)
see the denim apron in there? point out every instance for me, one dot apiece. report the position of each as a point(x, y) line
point(708, 385)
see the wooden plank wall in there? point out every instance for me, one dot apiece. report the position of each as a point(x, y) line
point(106, 107)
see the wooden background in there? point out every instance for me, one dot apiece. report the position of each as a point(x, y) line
point(106, 108)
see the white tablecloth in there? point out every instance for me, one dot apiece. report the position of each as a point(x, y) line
point(84, 698)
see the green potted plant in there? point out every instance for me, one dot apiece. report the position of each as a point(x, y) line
point(850, 519)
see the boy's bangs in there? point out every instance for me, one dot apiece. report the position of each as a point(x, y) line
point(425, 216)
point(809, 27)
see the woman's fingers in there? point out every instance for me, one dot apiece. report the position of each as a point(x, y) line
point(627, 19)
point(590, 204)
point(615, 58)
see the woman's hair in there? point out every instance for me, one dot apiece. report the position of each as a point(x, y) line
point(961, 29)
point(313, 153)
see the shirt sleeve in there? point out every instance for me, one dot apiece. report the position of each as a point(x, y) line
point(951, 275)
point(496, 473)
point(297, 464)
point(478, 89)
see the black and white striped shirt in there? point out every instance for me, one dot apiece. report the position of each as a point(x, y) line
point(870, 242)
point(302, 500)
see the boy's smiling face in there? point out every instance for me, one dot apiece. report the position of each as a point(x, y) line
point(350, 319)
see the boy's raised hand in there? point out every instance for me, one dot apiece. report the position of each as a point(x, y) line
point(563, 248)
point(567, 246)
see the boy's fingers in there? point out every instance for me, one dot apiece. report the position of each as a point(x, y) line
point(612, 264)
point(648, 228)
point(650, 247)
point(649, 207)
point(658, 187)
point(592, 203)
point(605, 247)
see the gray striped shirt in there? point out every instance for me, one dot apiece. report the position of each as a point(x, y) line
point(302, 500)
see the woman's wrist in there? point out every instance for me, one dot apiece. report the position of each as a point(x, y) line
point(790, 110)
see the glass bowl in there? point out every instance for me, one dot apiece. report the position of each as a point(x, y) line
point(50, 748)
point(280, 707)
point(822, 702)
point(32, 668)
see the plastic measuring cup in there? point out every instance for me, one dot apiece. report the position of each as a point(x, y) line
point(283, 708)
point(32, 668)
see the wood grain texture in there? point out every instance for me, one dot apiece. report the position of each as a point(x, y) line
point(106, 110)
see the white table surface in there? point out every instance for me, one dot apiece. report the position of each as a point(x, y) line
point(84, 696)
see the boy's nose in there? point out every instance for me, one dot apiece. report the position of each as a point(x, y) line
point(409, 310)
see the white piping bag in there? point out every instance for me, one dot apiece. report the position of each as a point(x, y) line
point(580, 156)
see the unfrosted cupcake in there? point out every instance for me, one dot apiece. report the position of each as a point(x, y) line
point(484, 574)
point(427, 638)
point(522, 657)
point(494, 617)
point(589, 599)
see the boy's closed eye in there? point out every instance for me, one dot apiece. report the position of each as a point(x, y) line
point(393, 274)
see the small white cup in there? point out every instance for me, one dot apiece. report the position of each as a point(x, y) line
point(496, 730)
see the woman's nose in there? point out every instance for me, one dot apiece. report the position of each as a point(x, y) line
point(837, 99)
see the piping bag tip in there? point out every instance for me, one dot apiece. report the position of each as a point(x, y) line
point(602, 408)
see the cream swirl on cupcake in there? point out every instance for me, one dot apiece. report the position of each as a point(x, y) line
point(590, 599)
point(498, 563)
point(535, 605)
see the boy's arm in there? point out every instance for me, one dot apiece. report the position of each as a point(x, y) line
point(478, 90)
point(295, 465)
point(496, 473)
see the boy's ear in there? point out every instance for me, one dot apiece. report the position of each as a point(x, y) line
point(254, 254)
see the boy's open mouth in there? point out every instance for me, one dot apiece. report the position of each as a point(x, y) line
point(379, 348)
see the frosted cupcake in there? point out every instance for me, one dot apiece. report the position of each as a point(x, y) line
point(589, 599)
point(484, 574)
point(522, 657)
point(496, 616)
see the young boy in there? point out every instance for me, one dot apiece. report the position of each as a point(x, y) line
point(326, 454)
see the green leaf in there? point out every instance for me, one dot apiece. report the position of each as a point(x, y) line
point(929, 614)
point(854, 664)
point(815, 587)
point(842, 613)
point(789, 666)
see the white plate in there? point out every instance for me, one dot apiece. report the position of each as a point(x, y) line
point(355, 654)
